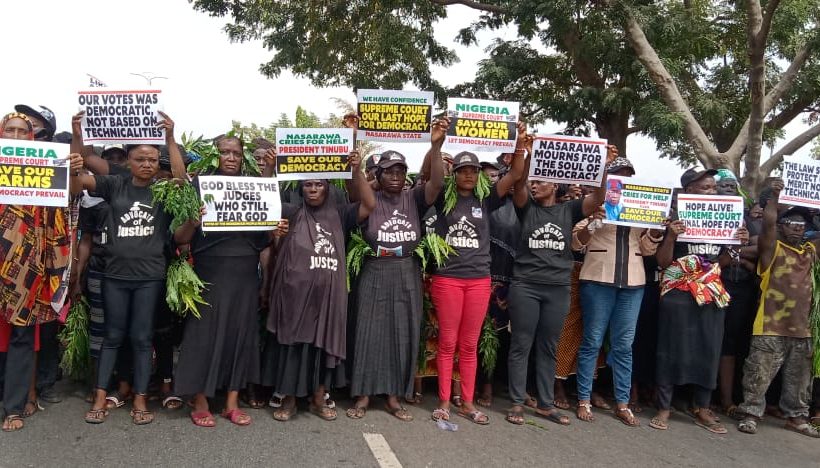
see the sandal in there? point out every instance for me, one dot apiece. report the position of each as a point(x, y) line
point(9, 424)
point(730, 411)
point(35, 405)
point(203, 419)
point(803, 428)
point(357, 412)
point(563, 404)
point(325, 412)
point(399, 413)
point(475, 416)
point(441, 414)
point(457, 401)
point(515, 416)
point(747, 426)
point(627, 417)
point(96, 416)
point(171, 402)
point(141, 417)
point(587, 408)
point(117, 400)
point(599, 402)
point(237, 416)
point(553, 415)
point(275, 401)
point(285, 413)
point(715, 427)
point(531, 402)
point(417, 399)
point(484, 401)
point(658, 423)
point(635, 406)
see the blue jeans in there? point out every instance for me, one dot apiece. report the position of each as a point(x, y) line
point(616, 309)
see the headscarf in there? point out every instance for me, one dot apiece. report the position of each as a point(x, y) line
point(725, 174)
point(36, 249)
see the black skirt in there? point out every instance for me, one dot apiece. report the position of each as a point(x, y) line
point(300, 369)
point(221, 350)
point(689, 341)
point(387, 327)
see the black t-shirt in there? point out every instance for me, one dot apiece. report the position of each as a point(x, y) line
point(92, 220)
point(544, 251)
point(467, 230)
point(505, 231)
point(394, 227)
point(136, 230)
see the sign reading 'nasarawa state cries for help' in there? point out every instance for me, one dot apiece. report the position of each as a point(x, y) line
point(313, 153)
point(128, 117)
point(479, 125)
point(568, 160)
point(240, 203)
point(394, 116)
point(33, 173)
point(710, 218)
point(801, 177)
point(633, 202)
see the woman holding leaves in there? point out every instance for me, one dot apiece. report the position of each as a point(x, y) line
point(137, 230)
point(388, 300)
point(220, 349)
point(460, 289)
point(540, 291)
point(306, 350)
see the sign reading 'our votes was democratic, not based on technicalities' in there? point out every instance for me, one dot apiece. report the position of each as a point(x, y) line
point(127, 117)
point(313, 153)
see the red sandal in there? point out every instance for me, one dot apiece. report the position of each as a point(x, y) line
point(237, 416)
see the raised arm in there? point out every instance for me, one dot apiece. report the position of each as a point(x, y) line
point(270, 162)
point(596, 198)
point(767, 241)
point(516, 172)
point(521, 192)
point(93, 163)
point(78, 181)
point(177, 163)
point(366, 197)
point(436, 182)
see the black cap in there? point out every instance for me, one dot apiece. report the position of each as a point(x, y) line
point(693, 175)
point(371, 162)
point(62, 137)
point(619, 163)
point(464, 159)
point(109, 150)
point(390, 159)
point(796, 211)
point(44, 113)
point(486, 164)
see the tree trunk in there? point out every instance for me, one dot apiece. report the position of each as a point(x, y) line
point(757, 89)
point(614, 128)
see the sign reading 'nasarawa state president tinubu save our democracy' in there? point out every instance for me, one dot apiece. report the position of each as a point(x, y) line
point(313, 153)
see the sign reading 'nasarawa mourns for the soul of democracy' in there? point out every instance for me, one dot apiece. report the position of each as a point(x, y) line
point(568, 160)
point(394, 116)
point(801, 177)
point(313, 153)
point(710, 218)
point(33, 173)
point(240, 203)
point(632, 202)
point(479, 125)
point(128, 117)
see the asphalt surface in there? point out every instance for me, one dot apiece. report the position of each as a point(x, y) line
point(58, 436)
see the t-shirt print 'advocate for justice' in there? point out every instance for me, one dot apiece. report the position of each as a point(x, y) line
point(393, 229)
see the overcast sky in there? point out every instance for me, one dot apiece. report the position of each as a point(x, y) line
point(52, 44)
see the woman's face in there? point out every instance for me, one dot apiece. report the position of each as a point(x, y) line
point(314, 192)
point(16, 129)
point(704, 186)
point(230, 156)
point(259, 156)
point(727, 187)
point(144, 162)
point(541, 190)
point(466, 178)
point(392, 178)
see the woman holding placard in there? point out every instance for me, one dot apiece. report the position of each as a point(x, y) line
point(221, 349)
point(138, 231)
point(540, 291)
point(460, 289)
point(388, 300)
point(35, 249)
point(691, 313)
point(612, 280)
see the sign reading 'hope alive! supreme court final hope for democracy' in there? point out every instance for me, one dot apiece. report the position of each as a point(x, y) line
point(710, 218)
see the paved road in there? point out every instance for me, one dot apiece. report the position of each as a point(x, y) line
point(58, 436)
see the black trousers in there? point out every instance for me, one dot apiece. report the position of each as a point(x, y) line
point(19, 369)
point(48, 359)
point(129, 311)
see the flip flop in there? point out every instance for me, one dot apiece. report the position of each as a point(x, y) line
point(284, 414)
point(12, 418)
point(357, 412)
point(515, 416)
point(553, 415)
point(630, 419)
point(562, 404)
point(440, 414)
point(658, 423)
point(325, 412)
point(96, 416)
point(172, 402)
point(141, 417)
point(475, 416)
point(714, 427)
point(399, 413)
point(203, 419)
point(117, 400)
point(236, 416)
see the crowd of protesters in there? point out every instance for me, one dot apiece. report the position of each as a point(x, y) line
point(634, 317)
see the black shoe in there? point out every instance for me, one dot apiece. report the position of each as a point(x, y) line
point(49, 395)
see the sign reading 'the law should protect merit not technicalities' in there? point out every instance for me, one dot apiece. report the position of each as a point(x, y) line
point(394, 116)
point(568, 160)
point(33, 173)
point(479, 125)
point(128, 117)
point(632, 202)
point(313, 153)
point(240, 203)
point(801, 177)
point(710, 218)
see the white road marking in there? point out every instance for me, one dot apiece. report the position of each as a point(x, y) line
point(381, 450)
